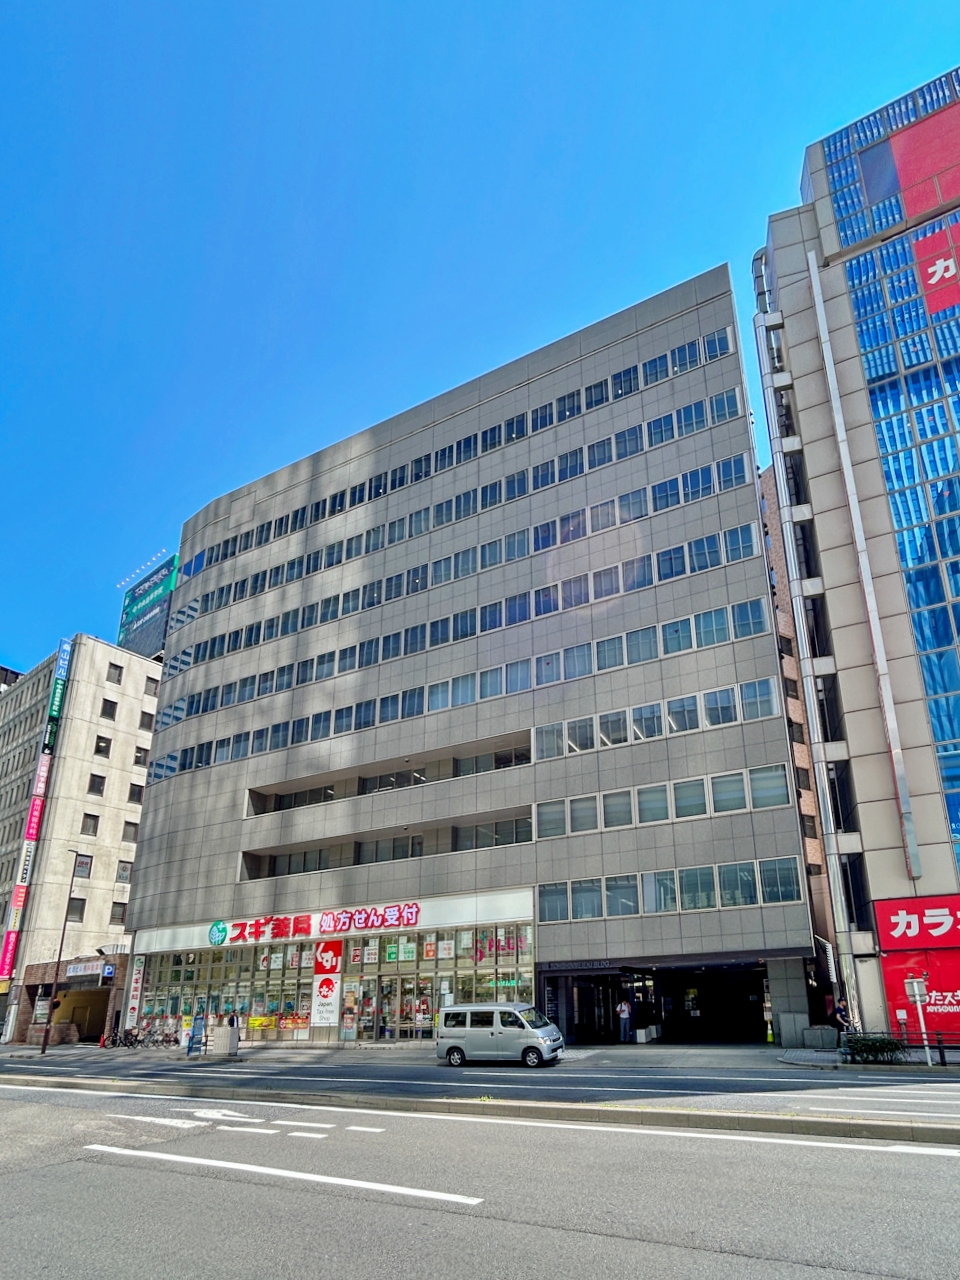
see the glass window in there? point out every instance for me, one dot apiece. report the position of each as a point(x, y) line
point(682, 714)
point(517, 545)
point(622, 897)
point(570, 465)
point(464, 689)
point(544, 474)
point(692, 417)
point(587, 899)
point(660, 430)
point(548, 668)
point(633, 505)
point(577, 661)
point(518, 676)
point(720, 706)
point(758, 699)
point(617, 809)
point(613, 728)
point(738, 884)
point(697, 484)
point(652, 804)
point(628, 443)
point(780, 879)
point(689, 798)
point(666, 494)
point(704, 553)
point(739, 543)
point(583, 814)
point(599, 454)
point(603, 516)
point(647, 722)
point(729, 792)
point(580, 735)
point(390, 708)
point(438, 696)
point(491, 616)
point(606, 582)
point(550, 741)
point(491, 683)
point(610, 653)
point(712, 627)
point(768, 786)
point(491, 554)
point(573, 526)
point(749, 619)
point(671, 563)
point(659, 891)
point(553, 902)
point(551, 819)
point(698, 890)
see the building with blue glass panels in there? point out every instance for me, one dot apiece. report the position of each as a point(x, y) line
point(858, 332)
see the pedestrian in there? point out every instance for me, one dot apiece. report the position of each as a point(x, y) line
point(624, 1011)
point(842, 1016)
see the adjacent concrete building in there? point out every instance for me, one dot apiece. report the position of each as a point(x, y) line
point(485, 702)
point(74, 748)
point(859, 340)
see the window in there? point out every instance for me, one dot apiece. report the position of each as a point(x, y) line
point(580, 735)
point(603, 516)
point(613, 729)
point(131, 832)
point(364, 717)
point(731, 473)
point(548, 668)
point(599, 454)
point(465, 563)
point(716, 344)
point(101, 746)
point(439, 632)
point(809, 824)
point(415, 639)
point(803, 779)
point(393, 587)
point(576, 591)
point(491, 616)
point(343, 720)
point(682, 714)
point(258, 583)
point(780, 879)
point(416, 579)
point(617, 809)
point(141, 755)
point(610, 653)
point(241, 746)
point(606, 582)
point(516, 545)
point(550, 741)
point(659, 890)
point(466, 449)
point(320, 726)
point(544, 474)
point(465, 624)
point(768, 786)
point(544, 536)
point(628, 442)
point(114, 673)
point(723, 407)
point(420, 469)
point(638, 573)
point(152, 687)
point(89, 824)
point(666, 494)
point(466, 504)
point(515, 428)
point(463, 690)
point(728, 792)
point(491, 495)
point(391, 646)
point(597, 394)
point(276, 576)
point(758, 699)
point(551, 819)
point(396, 531)
point(553, 903)
point(300, 731)
point(720, 707)
point(633, 506)
point(516, 485)
point(108, 710)
point(655, 370)
point(685, 357)
point(333, 555)
point(642, 645)
point(75, 910)
point(749, 619)
point(491, 683)
point(698, 889)
point(491, 554)
point(540, 419)
point(96, 784)
point(281, 526)
point(368, 653)
point(390, 708)
point(739, 543)
point(568, 406)
point(712, 627)
point(697, 484)
point(518, 676)
point(443, 458)
point(318, 511)
point(660, 430)
point(689, 799)
point(625, 383)
point(704, 553)
point(377, 486)
point(587, 899)
point(246, 688)
point(443, 513)
point(570, 465)
point(671, 563)
point(135, 794)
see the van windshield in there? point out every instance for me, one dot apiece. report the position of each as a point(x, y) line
point(534, 1018)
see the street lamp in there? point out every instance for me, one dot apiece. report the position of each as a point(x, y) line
point(56, 972)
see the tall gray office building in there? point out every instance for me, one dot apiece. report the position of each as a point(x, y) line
point(858, 330)
point(484, 703)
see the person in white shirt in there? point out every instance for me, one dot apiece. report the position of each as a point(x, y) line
point(625, 1011)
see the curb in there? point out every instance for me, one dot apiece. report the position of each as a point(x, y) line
point(558, 1112)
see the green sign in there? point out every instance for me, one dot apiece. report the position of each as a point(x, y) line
point(148, 591)
point(217, 933)
point(56, 698)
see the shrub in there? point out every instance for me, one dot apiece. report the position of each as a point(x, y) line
point(875, 1048)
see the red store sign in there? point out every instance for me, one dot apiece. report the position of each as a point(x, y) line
point(921, 936)
point(314, 924)
point(907, 924)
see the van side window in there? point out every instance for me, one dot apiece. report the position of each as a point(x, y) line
point(511, 1020)
point(484, 1018)
point(455, 1019)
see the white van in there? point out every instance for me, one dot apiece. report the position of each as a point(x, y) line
point(502, 1032)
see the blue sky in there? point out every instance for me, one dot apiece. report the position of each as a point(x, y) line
point(232, 233)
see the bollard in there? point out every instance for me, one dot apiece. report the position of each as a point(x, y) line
point(941, 1050)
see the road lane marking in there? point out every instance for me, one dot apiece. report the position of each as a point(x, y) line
point(175, 1124)
point(235, 1128)
point(308, 1135)
point(304, 1124)
point(362, 1128)
point(209, 1113)
point(295, 1174)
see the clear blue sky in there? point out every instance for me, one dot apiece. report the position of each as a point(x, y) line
point(231, 233)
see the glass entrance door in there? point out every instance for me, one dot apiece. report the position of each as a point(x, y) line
point(387, 1020)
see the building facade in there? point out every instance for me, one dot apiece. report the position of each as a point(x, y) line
point(74, 749)
point(484, 702)
point(859, 341)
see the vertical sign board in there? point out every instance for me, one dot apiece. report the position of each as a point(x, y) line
point(136, 991)
point(38, 799)
point(327, 966)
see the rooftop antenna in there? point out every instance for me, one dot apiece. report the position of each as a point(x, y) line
point(136, 573)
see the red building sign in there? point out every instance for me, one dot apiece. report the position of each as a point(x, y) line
point(921, 936)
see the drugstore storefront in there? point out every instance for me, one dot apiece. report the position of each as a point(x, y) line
point(361, 973)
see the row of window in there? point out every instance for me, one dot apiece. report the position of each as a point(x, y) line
point(696, 556)
point(102, 747)
point(695, 711)
point(97, 783)
point(749, 619)
point(762, 788)
point(90, 826)
point(691, 418)
point(729, 884)
point(713, 626)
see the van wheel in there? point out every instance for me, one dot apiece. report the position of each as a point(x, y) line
point(531, 1057)
point(456, 1057)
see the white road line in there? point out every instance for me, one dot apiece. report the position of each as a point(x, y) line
point(175, 1124)
point(235, 1128)
point(304, 1124)
point(292, 1173)
point(308, 1135)
point(362, 1128)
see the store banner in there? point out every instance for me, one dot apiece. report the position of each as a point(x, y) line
point(327, 966)
point(941, 968)
point(907, 924)
point(136, 992)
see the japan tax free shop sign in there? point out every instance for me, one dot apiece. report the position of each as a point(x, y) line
point(921, 936)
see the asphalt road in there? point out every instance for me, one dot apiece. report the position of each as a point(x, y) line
point(95, 1184)
point(751, 1080)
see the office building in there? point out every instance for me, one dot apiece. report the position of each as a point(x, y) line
point(484, 702)
point(858, 329)
point(74, 748)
